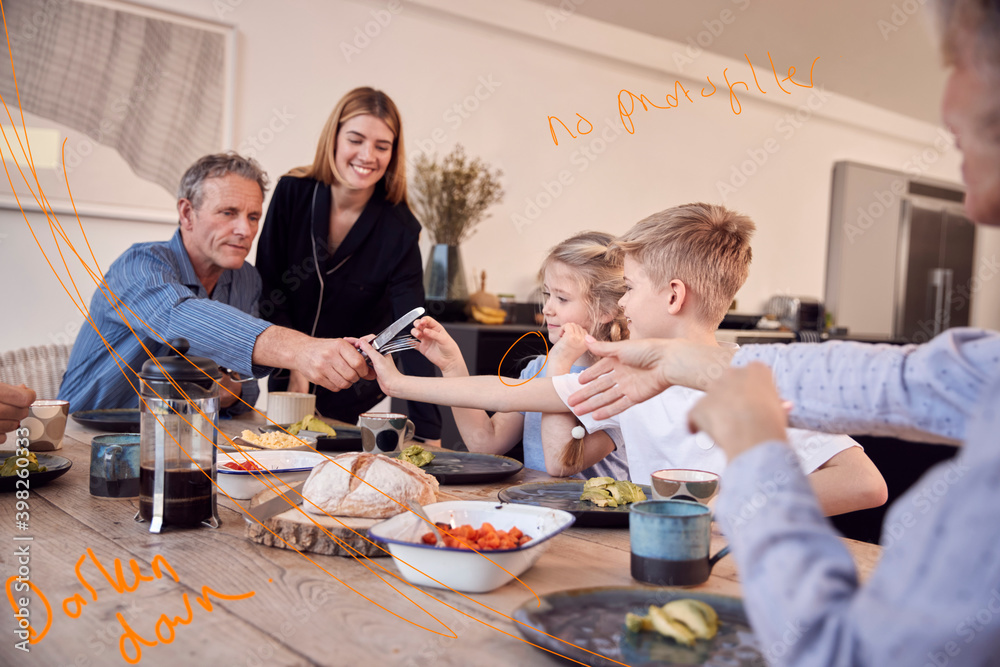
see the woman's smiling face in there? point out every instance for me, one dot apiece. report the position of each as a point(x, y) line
point(364, 150)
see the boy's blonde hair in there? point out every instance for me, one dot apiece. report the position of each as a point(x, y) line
point(598, 270)
point(705, 246)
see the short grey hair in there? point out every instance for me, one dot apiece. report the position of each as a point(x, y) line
point(217, 166)
point(978, 20)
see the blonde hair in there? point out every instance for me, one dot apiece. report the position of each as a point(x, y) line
point(360, 102)
point(705, 246)
point(598, 270)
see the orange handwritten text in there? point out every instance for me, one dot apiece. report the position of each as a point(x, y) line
point(627, 99)
point(131, 642)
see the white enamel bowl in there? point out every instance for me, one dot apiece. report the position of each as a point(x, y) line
point(289, 466)
point(460, 569)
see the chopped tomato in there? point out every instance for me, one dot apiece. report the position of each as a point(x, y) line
point(484, 538)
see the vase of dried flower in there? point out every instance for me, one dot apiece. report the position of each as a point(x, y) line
point(445, 288)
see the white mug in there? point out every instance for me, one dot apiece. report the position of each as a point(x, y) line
point(288, 407)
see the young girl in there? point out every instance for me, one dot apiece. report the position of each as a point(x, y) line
point(581, 283)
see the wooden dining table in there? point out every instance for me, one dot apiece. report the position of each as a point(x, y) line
point(106, 591)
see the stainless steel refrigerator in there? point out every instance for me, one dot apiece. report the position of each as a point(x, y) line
point(900, 254)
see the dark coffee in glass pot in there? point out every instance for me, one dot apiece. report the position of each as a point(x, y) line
point(179, 421)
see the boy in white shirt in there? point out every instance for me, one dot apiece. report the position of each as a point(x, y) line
point(683, 266)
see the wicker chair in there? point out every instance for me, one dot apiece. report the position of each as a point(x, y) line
point(41, 368)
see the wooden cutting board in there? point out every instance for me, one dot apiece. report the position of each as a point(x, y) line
point(343, 536)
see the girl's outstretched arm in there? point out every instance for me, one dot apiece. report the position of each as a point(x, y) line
point(480, 432)
point(485, 392)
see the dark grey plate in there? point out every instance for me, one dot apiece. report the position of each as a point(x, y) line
point(594, 620)
point(348, 439)
point(56, 466)
point(565, 495)
point(117, 420)
point(470, 468)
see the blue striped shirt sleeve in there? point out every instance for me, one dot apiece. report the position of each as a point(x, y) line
point(159, 292)
point(148, 286)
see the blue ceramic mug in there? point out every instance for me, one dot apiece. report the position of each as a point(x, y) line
point(670, 542)
point(114, 465)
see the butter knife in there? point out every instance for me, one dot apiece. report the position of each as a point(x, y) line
point(276, 505)
point(393, 329)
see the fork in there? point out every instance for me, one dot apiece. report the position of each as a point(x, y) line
point(399, 344)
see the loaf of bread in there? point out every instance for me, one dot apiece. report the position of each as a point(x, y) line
point(335, 486)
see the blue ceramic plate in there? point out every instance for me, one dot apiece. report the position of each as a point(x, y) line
point(565, 495)
point(594, 619)
point(55, 466)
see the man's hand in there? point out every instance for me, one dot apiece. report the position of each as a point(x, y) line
point(634, 371)
point(572, 344)
point(334, 363)
point(225, 398)
point(628, 373)
point(439, 347)
point(14, 404)
point(741, 409)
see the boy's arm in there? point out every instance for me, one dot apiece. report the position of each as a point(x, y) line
point(482, 391)
point(848, 482)
point(840, 472)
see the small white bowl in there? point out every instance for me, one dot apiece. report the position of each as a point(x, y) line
point(289, 466)
point(460, 569)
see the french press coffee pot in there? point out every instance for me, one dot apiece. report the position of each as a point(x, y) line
point(178, 427)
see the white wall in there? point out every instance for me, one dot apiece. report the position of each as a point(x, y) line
point(429, 58)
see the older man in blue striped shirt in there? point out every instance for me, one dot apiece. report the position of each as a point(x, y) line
point(197, 286)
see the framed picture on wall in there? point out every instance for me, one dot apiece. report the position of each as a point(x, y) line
point(111, 102)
